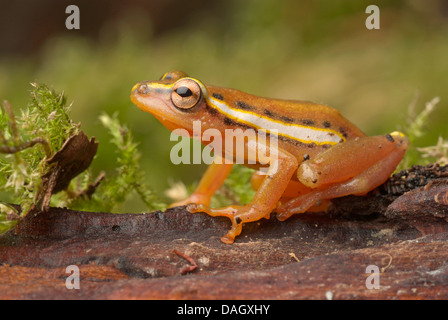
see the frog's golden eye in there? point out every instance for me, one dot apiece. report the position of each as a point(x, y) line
point(186, 94)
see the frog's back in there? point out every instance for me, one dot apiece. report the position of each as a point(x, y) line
point(303, 121)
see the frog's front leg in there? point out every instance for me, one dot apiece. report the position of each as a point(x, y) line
point(211, 181)
point(282, 166)
point(353, 167)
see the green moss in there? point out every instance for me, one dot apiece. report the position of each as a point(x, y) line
point(129, 177)
point(28, 140)
point(417, 127)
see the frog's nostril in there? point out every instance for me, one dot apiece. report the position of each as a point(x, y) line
point(143, 89)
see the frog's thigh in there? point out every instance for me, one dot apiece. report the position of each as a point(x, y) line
point(256, 180)
point(349, 159)
point(293, 189)
point(367, 180)
point(211, 181)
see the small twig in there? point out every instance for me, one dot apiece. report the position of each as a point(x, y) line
point(2, 138)
point(48, 189)
point(90, 188)
point(12, 121)
point(292, 255)
point(383, 269)
point(26, 145)
point(13, 213)
point(186, 269)
point(439, 151)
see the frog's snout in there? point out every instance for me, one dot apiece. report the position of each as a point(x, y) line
point(140, 88)
point(135, 87)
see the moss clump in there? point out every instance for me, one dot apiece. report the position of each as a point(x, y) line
point(416, 128)
point(28, 140)
point(129, 176)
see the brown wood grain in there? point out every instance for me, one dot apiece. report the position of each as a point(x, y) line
point(130, 256)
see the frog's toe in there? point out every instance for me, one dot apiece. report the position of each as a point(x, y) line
point(228, 212)
point(228, 239)
point(178, 204)
point(282, 216)
point(197, 207)
point(195, 198)
point(297, 205)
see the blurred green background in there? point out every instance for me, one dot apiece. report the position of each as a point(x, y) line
point(317, 50)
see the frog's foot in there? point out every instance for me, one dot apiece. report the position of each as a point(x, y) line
point(237, 214)
point(300, 205)
point(197, 199)
point(228, 212)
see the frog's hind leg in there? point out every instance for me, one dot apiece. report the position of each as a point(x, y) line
point(393, 148)
point(293, 189)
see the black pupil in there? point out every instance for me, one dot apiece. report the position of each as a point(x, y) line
point(184, 92)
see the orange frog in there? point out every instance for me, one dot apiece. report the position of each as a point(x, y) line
point(319, 155)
